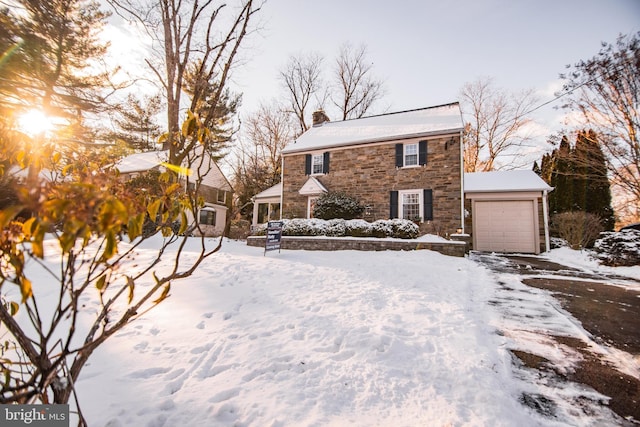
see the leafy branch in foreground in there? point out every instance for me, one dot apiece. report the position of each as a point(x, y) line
point(71, 267)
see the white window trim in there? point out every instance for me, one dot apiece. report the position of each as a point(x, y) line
point(404, 155)
point(224, 197)
point(320, 163)
point(420, 194)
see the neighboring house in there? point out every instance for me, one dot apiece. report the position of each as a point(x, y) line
point(213, 186)
point(399, 165)
point(507, 211)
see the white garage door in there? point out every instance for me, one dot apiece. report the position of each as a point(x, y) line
point(505, 226)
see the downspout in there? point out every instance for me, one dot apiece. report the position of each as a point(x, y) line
point(545, 216)
point(462, 183)
point(281, 185)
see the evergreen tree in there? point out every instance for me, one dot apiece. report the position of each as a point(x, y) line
point(137, 124)
point(579, 177)
point(561, 199)
point(215, 106)
point(597, 192)
point(58, 40)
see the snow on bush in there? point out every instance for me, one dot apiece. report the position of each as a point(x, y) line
point(336, 227)
point(404, 229)
point(337, 205)
point(398, 228)
point(618, 249)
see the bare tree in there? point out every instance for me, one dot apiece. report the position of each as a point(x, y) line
point(205, 33)
point(605, 90)
point(302, 80)
point(259, 159)
point(357, 89)
point(496, 126)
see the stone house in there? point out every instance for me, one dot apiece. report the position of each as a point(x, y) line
point(204, 174)
point(399, 165)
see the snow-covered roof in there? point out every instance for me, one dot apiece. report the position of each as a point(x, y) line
point(443, 119)
point(142, 161)
point(504, 181)
point(274, 191)
point(208, 170)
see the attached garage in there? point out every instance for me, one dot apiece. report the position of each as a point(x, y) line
point(506, 211)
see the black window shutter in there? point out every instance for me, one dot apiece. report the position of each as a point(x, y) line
point(393, 203)
point(399, 155)
point(428, 205)
point(422, 153)
point(307, 164)
point(325, 162)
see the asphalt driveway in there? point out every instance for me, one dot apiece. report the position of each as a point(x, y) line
point(610, 313)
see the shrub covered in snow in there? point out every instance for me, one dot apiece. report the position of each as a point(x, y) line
point(337, 205)
point(398, 228)
point(404, 229)
point(618, 249)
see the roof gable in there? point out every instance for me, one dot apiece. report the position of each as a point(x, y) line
point(444, 119)
point(312, 187)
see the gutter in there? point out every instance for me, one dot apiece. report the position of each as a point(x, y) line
point(462, 219)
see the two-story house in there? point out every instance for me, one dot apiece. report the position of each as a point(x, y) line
point(399, 165)
point(204, 174)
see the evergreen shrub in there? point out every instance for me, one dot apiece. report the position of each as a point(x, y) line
point(397, 228)
point(337, 205)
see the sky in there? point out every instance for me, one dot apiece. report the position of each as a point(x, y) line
point(425, 51)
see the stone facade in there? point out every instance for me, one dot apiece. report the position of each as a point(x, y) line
point(369, 173)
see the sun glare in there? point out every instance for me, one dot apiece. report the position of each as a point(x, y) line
point(35, 122)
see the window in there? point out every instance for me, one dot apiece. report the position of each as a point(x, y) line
point(221, 196)
point(268, 212)
point(317, 163)
point(207, 216)
point(410, 155)
point(411, 204)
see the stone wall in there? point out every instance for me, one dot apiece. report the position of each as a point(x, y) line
point(452, 248)
point(368, 172)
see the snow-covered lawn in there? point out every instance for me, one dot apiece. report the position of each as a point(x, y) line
point(302, 338)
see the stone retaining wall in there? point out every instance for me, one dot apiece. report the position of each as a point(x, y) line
point(336, 244)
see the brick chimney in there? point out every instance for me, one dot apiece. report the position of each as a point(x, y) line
point(319, 117)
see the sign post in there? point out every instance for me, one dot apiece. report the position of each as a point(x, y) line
point(274, 236)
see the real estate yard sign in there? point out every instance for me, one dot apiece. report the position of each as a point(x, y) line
point(274, 236)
